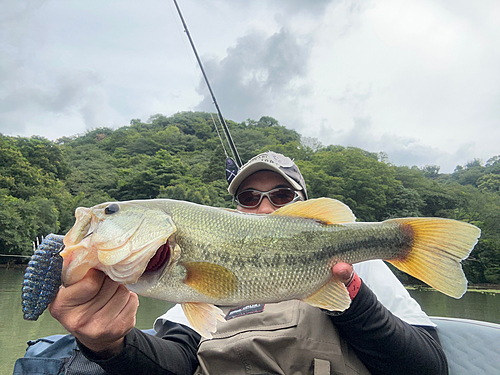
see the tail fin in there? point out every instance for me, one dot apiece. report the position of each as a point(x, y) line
point(438, 247)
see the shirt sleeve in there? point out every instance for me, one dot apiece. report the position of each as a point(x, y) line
point(385, 343)
point(391, 293)
point(171, 351)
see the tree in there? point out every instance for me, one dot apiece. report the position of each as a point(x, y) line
point(44, 154)
point(181, 157)
point(266, 122)
point(469, 174)
point(319, 184)
point(405, 203)
point(14, 234)
point(489, 182)
point(436, 197)
point(493, 165)
point(367, 183)
point(431, 171)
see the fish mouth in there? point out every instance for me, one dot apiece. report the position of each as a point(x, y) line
point(161, 257)
point(163, 260)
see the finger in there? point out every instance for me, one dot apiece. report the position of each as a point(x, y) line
point(115, 304)
point(85, 289)
point(77, 294)
point(76, 305)
point(343, 272)
point(128, 314)
point(118, 316)
point(103, 298)
point(111, 324)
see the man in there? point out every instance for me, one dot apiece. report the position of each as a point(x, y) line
point(366, 331)
point(284, 338)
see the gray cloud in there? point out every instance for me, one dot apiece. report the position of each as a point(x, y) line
point(37, 90)
point(417, 80)
point(315, 7)
point(290, 7)
point(401, 150)
point(25, 99)
point(257, 73)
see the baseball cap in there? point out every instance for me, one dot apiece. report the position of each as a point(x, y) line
point(270, 161)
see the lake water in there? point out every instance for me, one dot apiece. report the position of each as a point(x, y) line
point(15, 331)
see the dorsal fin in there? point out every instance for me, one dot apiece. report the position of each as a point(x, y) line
point(326, 210)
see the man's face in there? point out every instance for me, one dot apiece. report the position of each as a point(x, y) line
point(262, 181)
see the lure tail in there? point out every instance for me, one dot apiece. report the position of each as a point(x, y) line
point(42, 277)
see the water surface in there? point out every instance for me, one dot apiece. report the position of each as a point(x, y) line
point(15, 331)
point(473, 305)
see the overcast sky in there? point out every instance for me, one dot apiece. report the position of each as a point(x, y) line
point(417, 79)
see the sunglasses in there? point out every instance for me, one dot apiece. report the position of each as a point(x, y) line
point(278, 197)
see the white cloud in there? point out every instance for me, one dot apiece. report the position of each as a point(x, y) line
point(415, 70)
point(416, 79)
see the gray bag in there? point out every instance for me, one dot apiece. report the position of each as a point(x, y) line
point(54, 355)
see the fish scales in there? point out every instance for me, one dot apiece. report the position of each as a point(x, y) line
point(42, 277)
point(202, 256)
point(273, 253)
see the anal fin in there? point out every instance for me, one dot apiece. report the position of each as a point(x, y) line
point(332, 296)
point(203, 317)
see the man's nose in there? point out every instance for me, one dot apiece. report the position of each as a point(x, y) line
point(265, 206)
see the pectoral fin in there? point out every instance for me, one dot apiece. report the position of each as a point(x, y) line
point(332, 296)
point(203, 317)
point(210, 279)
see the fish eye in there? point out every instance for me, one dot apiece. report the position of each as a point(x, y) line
point(113, 208)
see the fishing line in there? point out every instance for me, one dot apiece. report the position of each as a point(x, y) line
point(231, 167)
point(218, 133)
point(232, 146)
point(180, 30)
point(227, 139)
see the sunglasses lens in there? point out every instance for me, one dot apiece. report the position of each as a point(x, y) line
point(249, 198)
point(280, 197)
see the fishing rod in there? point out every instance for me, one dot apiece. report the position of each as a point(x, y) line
point(221, 118)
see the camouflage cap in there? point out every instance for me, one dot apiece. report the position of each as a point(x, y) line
point(270, 161)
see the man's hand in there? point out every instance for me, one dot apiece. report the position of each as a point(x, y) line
point(98, 311)
point(345, 273)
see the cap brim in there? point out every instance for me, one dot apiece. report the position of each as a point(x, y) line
point(256, 167)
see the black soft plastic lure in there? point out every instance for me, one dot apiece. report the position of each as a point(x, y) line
point(42, 277)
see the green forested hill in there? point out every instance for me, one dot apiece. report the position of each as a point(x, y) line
point(181, 157)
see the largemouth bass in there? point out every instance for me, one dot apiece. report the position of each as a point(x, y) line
point(202, 256)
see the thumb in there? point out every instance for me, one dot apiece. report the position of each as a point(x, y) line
point(343, 272)
point(84, 290)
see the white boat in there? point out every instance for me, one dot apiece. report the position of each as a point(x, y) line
point(472, 347)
